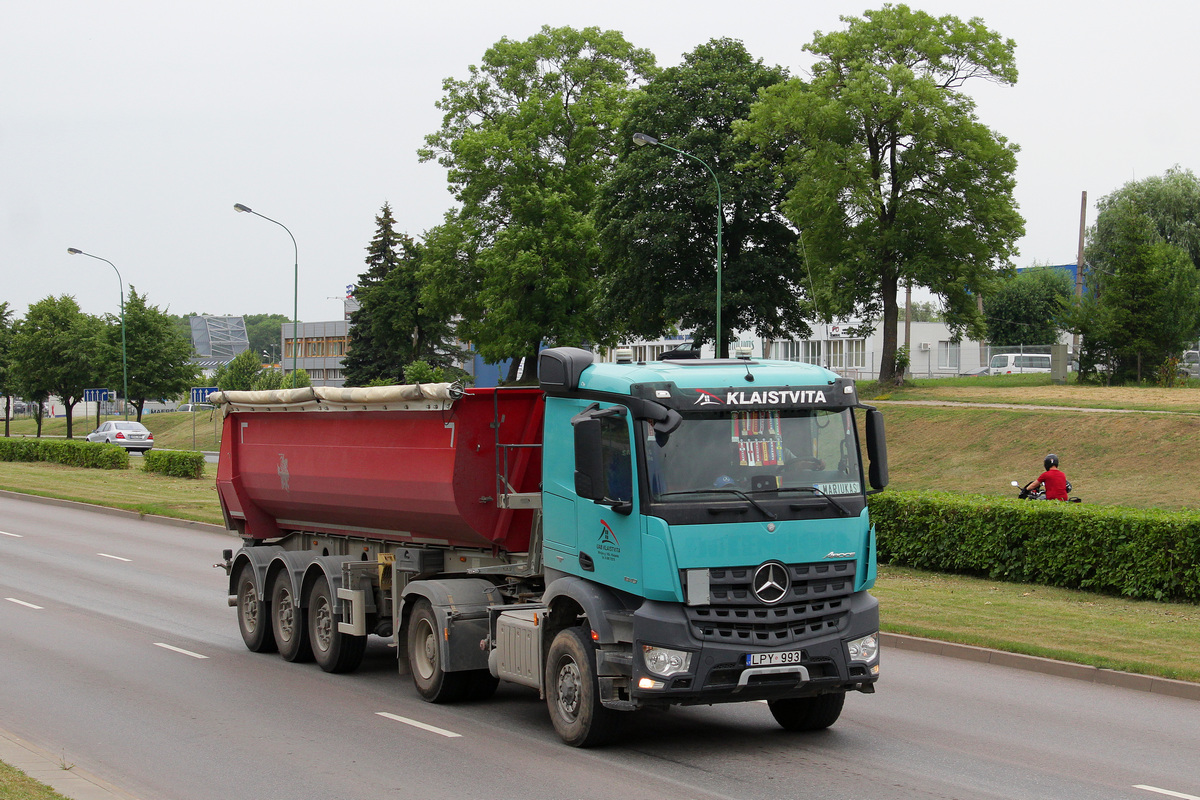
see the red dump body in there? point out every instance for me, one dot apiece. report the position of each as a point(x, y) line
point(401, 475)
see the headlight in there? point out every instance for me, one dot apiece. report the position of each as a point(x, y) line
point(664, 662)
point(865, 649)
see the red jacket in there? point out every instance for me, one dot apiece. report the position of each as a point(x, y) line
point(1055, 481)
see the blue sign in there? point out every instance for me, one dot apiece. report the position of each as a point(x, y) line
point(95, 395)
point(200, 393)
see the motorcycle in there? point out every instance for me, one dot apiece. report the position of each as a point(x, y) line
point(1024, 493)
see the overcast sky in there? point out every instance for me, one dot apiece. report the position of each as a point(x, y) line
point(129, 129)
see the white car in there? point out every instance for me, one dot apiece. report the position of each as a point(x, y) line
point(130, 435)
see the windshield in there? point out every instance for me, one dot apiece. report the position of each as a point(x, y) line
point(756, 451)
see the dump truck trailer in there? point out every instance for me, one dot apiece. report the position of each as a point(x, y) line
point(622, 536)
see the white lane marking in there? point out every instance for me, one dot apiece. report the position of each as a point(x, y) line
point(174, 649)
point(421, 725)
point(14, 535)
point(114, 558)
point(1166, 792)
point(23, 603)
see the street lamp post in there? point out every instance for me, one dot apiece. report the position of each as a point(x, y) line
point(642, 139)
point(295, 292)
point(124, 358)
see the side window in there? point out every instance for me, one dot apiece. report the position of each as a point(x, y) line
point(617, 456)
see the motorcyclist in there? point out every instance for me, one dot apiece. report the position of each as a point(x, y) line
point(1053, 479)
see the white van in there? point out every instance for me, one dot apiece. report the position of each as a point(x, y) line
point(1007, 363)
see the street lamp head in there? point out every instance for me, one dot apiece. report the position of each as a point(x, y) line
point(642, 139)
point(74, 251)
point(239, 207)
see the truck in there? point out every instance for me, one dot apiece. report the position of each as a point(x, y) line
point(621, 536)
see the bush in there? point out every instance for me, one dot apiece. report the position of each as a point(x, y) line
point(93, 455)
point(1146, 554)
point(175, 463)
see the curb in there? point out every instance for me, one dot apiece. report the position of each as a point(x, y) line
point(55, 771)
point(115, 512)
point(1045, 666)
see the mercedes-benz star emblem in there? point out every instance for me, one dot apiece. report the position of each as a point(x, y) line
point(771, 582)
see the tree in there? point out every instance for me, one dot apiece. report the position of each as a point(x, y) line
point(527, 139)
point(392, 326)
point(7, 382)
point(1143, 295)
point(657, 211)
point(239, 374)
point(891, 176)
point(263, 332)
point(1028, 307)
point(159, 357)
point(270, 379)
point(56, 351)
point(1172, 203)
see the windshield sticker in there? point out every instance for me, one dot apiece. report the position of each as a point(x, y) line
point(853, 487)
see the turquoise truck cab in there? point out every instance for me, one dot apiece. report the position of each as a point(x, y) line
point(709, 518)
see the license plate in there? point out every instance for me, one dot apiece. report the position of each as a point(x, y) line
point(774, 659)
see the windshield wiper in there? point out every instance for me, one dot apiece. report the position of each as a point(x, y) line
point(820, 493)
point(725, 490)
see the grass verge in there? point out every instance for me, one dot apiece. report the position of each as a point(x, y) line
point(16, 785)
point(1148, 638)
point(131, 490)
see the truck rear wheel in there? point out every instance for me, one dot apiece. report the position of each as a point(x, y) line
point(425, 658)
point(254, 615)
point(287, 620)
point(573, 692)
point(333, 651)
point(808, 713)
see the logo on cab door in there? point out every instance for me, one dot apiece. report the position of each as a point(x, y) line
point(607, 546)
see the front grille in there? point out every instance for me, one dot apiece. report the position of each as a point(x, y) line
point(817, 602)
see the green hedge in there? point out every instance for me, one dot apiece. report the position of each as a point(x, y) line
point(1137, 553)
point(176, 463)
point(72, 452)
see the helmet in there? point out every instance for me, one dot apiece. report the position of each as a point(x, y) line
point(1051, 461)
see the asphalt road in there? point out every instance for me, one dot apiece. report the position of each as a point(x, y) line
point(118, 651)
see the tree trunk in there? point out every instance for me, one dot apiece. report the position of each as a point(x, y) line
point(891, 316)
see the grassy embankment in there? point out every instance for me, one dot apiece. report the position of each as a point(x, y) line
point(1143, 460)
point(16, 785)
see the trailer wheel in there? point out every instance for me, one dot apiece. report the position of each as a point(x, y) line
point(808, 713)
point(573, 693)
point(287, 620)
point(333, 651)
point(425, 658)
point(254, 615)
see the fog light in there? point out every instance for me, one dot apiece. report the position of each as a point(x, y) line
point(649, 683)
point(665, 662)
point(864, 649)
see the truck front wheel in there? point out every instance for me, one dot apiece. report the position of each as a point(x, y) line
point(254, 615)
point(808, 713)
point(573, 692)
point(287, 620)
point(333, 651)
point(425, 658)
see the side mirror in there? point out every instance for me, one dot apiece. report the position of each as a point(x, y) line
point(876, 450)
point(589, 462)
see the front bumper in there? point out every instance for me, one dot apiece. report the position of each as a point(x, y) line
point(718, 671)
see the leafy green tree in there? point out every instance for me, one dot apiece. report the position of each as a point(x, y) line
point(240, 373)
point(1028, 307)
point(7, 382)
point(263, 332)
point(392, 326)
point(923, 311)
point(56, 350)
point(657, 212)
point(527, 139)
point(891, 176)
point(1171, 201)
point(1143, 296)
point(159, 357)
